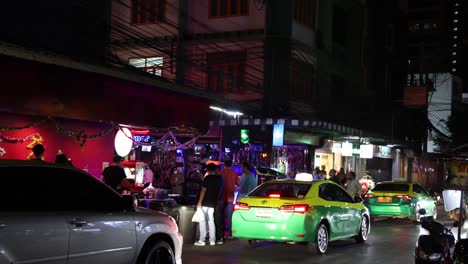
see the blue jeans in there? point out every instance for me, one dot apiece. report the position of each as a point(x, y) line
point(229, 209)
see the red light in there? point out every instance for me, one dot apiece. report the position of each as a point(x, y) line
point(241, 206)
point(298, 208)
point(274, 195)
point(403, 197)
point(300, 235)
point(368, 196)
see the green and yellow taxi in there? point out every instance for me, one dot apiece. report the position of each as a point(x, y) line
point(400, 199)
point(302, 210)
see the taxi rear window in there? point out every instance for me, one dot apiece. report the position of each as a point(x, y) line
point(284, 190)
point(391, 187)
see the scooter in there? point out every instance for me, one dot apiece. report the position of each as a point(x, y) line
point(438, 246)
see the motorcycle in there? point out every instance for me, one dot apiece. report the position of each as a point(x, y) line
point(438, 246)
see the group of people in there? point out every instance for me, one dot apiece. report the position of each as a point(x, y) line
point(216, 199)
point(38, 154)
point(347, 181)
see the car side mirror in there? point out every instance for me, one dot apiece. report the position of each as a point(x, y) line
point(128, 203)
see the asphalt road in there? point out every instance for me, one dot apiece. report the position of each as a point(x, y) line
point(390, 241)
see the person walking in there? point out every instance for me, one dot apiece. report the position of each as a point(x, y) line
point(114, 176)
point(148, 176)
point(38, 152)
point(333, 177)
point(353, 187)
point(207, 201)
point(247, 180)
point(177, 181)
point(317, 174)
point(231, 180)
point(342, 177)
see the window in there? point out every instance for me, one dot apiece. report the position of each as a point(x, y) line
point(226, 71)
point(301, 82)
point(54, 189)
point(227, 8)
point(285, 190)
point(331, 192)
point(304, 12)
point(152, 65)
point(391, 187)
point(339, 25)
point(147, 11)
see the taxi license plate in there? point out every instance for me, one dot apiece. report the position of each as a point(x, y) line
point(384, 199)
point(264, 213)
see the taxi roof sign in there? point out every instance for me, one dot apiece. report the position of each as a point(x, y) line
point(304, 177)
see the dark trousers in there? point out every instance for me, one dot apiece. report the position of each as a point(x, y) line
point(219, 220)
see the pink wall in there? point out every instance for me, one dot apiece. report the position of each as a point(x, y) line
point(199, 10)
point(121, 18)
point(91, 156)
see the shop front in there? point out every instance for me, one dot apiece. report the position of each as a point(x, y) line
point(291, 145)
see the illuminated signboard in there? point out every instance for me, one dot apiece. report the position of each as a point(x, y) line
point(347, 149)
point(244, 136)
point(123, 142)
point(366, 151)
point(278, 135)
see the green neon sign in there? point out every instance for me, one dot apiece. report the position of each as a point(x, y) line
point(244, 136)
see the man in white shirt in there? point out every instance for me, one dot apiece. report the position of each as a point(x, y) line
point(353, 187)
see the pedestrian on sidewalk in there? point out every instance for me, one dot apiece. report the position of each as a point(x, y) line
point(231, 180)
point(247, 180)
point(207, 202)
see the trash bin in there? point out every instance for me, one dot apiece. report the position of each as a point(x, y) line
point(183, 215)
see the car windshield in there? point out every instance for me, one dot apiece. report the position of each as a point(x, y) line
point(391, 187)
point(284, 190)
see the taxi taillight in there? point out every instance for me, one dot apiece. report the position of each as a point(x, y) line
point(403, 197)
point(368, 196)
point(297, 208)
point(241, 206)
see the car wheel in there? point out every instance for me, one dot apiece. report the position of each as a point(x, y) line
point(363, 230)
point(250, 243)
point(158, 253)
point(417, 216)
point(321, 240)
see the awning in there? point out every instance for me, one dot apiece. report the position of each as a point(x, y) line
point(317, 125)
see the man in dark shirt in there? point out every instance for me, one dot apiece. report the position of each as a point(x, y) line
point(114, 175)
point(210, 195)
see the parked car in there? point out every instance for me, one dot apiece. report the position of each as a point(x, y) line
point(314, 212)
point(400, 199)
point(56, 214)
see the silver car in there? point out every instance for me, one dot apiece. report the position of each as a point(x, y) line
point(56, 214)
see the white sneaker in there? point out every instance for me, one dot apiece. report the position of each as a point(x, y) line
point(200, 244)
point(212, 243)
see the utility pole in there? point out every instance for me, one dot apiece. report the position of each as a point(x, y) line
point(277, 50)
